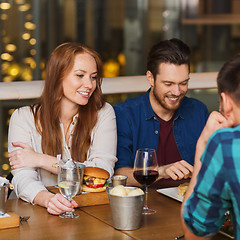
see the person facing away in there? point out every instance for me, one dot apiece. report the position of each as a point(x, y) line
point(163, 118)
point(71, 118)
point(215, 185)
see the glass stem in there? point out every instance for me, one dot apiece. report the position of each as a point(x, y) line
point(146, 197)
point(69, 199)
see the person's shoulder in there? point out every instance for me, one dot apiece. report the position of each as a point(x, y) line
point(193, 102)
point(23, 116)
point(227, 134)
point(225, 139)
point(22, 112)
point(106, 109)
point(193, 106)
point(132, 103)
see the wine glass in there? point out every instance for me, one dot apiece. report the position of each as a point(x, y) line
point(145, 171)
point(69, 184)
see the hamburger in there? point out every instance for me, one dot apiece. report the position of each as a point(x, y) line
point(94, 179)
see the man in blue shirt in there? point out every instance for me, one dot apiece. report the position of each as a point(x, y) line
point(163, 118)
point(215, 185)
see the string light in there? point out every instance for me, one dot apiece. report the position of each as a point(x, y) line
point(5, 66)
point(4, 16)
point(8, 79)
point(24, 8)
point(26, 36)
point(5, 166)
point(31, 62)
point(6, 57)
point(11, 47)
point(33, 52)
point(29, 25)
point(32, 41)
point(20, 1)
point(5, 6)
point(111, 68)
point(26, 74)
point(14, 70)
point(29, 17)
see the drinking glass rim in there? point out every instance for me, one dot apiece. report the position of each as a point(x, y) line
point(146, 149)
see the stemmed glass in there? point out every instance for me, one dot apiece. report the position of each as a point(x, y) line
point(69, 183)
point(145, 171)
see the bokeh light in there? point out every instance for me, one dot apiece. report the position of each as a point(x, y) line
point(121, 59)
point(8, 79)
point(6, 57)
point(5, 167)
point(5, 154)
point(111, 68)
point(14, 70)
point(5, 6)
point(4, 16)
point(32, 41)
point(31, 62)
point(26, 74)
point(24, 8)
point(26, 36)
point(29, 25)
point(33, 52)
point(4, 67)
point(11, 47)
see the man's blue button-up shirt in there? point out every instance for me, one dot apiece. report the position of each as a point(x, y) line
point(138, 127)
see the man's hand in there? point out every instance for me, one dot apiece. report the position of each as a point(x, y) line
point(177, 171)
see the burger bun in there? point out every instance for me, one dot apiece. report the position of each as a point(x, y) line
point(96, 172)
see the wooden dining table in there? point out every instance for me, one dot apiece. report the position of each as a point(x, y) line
point(95, 222)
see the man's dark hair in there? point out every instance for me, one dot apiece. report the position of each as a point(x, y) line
point(228, 79)
point(168, 51)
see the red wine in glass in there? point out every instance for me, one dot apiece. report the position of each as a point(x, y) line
point(146, 177)
point(145, 171)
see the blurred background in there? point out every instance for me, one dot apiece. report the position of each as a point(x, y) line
point(122, 31)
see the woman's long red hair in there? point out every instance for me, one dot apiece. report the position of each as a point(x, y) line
point(47, 110)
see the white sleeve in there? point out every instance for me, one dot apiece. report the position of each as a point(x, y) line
point(26, 180)
point(102, 151)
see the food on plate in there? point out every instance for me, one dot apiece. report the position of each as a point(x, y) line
point(182, 189)
point(94, 179)
point(120, 190)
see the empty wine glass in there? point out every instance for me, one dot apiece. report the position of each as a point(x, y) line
point(69, 183)
point(145, 171)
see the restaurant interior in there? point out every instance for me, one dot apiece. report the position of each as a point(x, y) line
point(121, 31)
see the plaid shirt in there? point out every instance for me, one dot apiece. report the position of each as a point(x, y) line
point(218, 185)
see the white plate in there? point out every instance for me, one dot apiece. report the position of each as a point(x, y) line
point(227, 235)
point(171, 192)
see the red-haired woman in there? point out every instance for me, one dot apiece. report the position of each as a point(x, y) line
point(71, 118)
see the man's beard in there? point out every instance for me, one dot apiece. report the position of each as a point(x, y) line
point(168, 106)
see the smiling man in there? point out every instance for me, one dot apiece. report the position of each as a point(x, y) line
point(163, 118)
